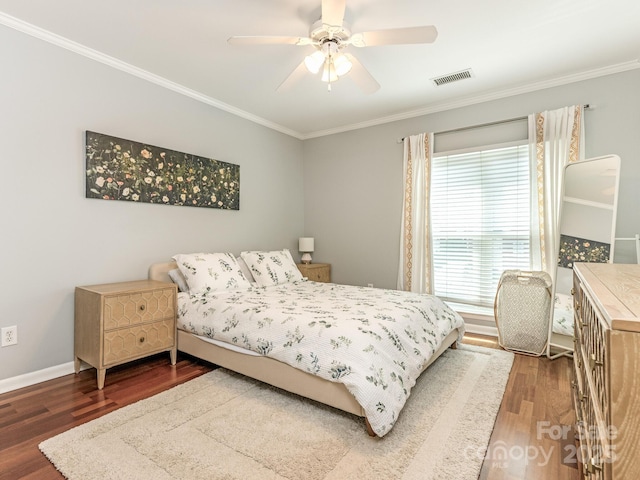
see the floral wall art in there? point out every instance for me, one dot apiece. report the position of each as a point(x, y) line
point(574, 249)
point(119, 169)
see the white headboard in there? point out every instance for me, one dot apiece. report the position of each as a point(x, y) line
point(160, 271)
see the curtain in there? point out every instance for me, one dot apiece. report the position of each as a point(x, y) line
point(556, 138)
point(414, 273)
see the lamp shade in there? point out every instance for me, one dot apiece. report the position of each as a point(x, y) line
point(305, 244)
point(342, 65)
point(314, 62)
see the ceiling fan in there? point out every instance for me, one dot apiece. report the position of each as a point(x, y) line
point(331, 36)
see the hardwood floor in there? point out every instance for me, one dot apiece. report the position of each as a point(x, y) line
point(532, 438)
point(32, 414)
point(521, 447)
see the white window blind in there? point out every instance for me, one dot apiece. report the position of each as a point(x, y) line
point(480, 219)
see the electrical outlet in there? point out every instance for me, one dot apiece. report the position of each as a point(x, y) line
point(9, 336)
point(370, 285)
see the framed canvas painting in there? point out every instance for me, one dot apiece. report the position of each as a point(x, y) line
point(119, 169)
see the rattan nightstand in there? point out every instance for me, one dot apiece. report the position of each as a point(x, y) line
point(119, 322)
point(318, 272)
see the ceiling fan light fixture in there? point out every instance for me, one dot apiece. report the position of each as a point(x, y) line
point(342, 65)
point(314, 61)
point(330, 35)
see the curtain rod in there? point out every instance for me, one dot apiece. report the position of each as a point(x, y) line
point(481, 125)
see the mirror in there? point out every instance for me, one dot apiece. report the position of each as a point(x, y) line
point(586, 234)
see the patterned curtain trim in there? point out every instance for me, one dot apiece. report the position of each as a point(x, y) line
point(540, 182)
point(408, 223)
point(427, 199)
point(574, 149)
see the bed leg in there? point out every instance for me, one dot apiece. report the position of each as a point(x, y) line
point(369, 429)
point(454, 346)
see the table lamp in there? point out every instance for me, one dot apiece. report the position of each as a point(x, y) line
point(305, 246)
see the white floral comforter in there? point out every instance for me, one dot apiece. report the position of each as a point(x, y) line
point(563, 315)
point(374, 341)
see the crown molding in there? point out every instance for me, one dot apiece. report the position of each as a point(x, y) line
point(75, 47)
point(80, 49)
point(485, 97)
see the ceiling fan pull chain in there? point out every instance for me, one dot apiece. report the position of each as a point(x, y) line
point(330, 60)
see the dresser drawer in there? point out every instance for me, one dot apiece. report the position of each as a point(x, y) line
point(320, 275)
point(594, 341)
point(140, 307)
point(128, 343)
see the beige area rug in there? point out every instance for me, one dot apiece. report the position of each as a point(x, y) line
point(226, 426)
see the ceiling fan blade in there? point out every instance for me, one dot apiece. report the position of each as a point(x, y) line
point(395, 36)
point(361, 76)
point(333, 12)
point(293, 78)
point(269, 40)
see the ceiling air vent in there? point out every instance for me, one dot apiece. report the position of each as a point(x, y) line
point(452, 77)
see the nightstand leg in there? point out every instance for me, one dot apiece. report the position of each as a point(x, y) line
point(76, 365)
point(174, 355)
point(102, 372)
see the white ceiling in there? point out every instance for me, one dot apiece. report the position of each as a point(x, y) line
point(512, 46)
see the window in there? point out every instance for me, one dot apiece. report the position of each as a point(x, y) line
point(480, 219)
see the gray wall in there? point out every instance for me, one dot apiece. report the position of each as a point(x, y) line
point(353, 189)
point(54, 239)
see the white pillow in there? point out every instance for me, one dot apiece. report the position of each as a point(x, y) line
point(210, 272)
point(272, 268)
point(176, 277)
point(245, 270)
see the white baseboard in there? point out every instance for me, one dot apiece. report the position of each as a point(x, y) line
point(480, 322)
point(481, 329)
point(28, 379)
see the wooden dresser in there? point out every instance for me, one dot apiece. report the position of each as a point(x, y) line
point(119, 322)
point(318, 272)
point(606, 384)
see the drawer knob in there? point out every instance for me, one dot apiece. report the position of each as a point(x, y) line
point(141, 340)
point(573, 291)
point(142, 308)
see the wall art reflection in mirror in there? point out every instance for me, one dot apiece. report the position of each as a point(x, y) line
point(119, 169)
point(574, 249)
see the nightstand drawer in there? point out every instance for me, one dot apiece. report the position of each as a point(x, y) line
point(317, 272)
point(136, 308)
point(133, 342)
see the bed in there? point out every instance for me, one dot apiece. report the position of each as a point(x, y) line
point(228, 327)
